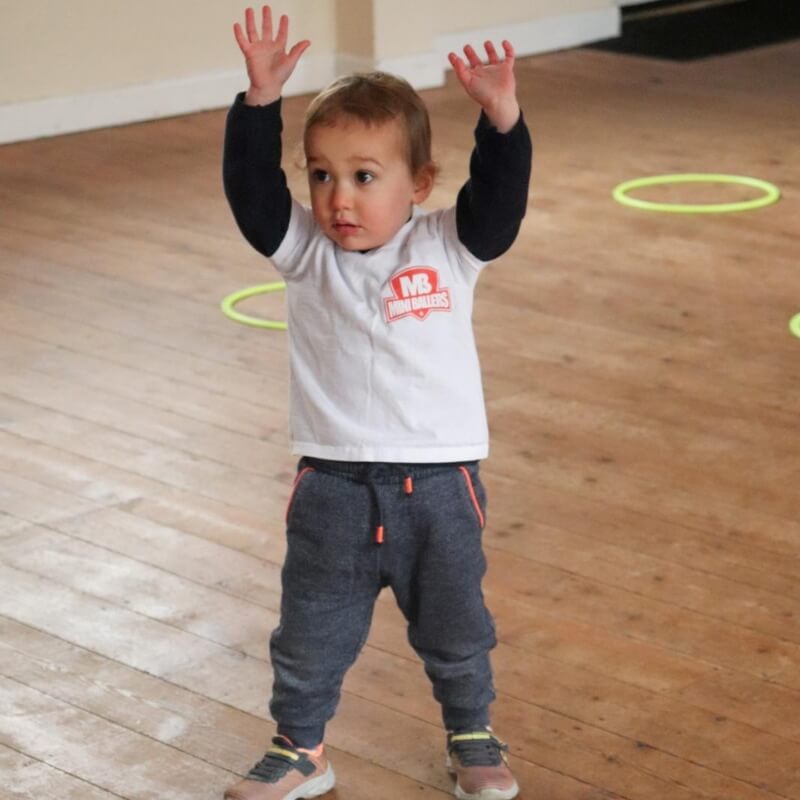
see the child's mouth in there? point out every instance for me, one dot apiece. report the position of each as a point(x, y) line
point(345, 228)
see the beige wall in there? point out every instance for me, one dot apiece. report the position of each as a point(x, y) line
point(355, 20)
point(71, 65)
point(398, 31)
point(50, 48)
point(450, 15)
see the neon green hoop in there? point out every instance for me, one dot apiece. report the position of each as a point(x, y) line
point(794, 325)
point(229, 303)
point(771, 193)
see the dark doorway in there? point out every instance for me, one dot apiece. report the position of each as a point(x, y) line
point(683, 30)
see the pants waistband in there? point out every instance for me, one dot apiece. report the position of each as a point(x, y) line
point(381, 472)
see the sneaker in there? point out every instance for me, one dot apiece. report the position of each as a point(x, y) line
point(478, 761)
point(286, 773)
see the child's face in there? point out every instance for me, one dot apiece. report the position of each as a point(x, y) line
point(362, 190)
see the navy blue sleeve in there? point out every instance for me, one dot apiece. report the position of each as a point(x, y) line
point(492, 203)
point(255, 185)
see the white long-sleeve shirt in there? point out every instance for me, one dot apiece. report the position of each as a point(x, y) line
point(382, 355)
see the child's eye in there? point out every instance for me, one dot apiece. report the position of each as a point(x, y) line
point(362, 176)
point(320, 176)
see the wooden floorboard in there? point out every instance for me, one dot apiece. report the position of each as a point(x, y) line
point(644, 514)
point(33, 778)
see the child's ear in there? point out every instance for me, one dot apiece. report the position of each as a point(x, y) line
point(423, 183)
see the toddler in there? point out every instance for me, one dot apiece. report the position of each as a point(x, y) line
point(387, 409)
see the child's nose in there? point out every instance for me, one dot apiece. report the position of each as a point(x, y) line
point(341, 198)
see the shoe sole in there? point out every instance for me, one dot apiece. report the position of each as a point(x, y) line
point(486, 794)
point(315, 787)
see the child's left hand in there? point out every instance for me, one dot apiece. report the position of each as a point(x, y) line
point(492, 85)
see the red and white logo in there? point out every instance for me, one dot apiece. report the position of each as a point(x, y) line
point(416, 292)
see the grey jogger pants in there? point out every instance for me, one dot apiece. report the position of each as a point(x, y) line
point(353, 528)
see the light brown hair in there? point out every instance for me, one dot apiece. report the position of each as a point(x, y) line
point(375, 98)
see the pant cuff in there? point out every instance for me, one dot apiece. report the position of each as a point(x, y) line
point(458, 719)
point(307, 737)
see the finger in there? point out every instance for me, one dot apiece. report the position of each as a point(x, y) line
point(241, 39)
point(283, 31)
point(509, 51)
point(491, 52)
point(250, 22)
point(472, 56)
point(298, 50)
point(459, 67)
point(266, 23)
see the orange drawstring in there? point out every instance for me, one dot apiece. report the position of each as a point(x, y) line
point(379, 532)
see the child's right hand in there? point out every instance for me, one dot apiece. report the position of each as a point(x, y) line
point(268, 64)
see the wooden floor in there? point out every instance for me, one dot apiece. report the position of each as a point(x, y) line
point(644, 517)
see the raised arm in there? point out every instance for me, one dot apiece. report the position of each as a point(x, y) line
point(255, 184)
point(492, 203)
point(268, 64)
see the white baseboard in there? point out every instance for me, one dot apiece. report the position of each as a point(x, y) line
point(57, 115)
point(540, 35)
point(427, 70)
